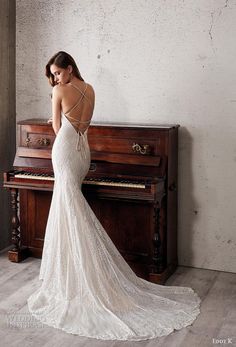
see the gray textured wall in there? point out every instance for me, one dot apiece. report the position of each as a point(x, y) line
point(152, 61)
point(7, 109)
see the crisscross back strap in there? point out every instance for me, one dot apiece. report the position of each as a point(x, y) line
point(80, 99)
point(83, 93)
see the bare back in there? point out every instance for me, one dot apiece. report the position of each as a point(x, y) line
point(78, 104)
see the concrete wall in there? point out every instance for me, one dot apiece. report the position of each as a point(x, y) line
point(152, 61)
point(7, 110)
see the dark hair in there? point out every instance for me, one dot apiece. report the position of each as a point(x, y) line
point(62, 60)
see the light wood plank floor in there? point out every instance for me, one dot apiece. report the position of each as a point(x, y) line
point(216, 322)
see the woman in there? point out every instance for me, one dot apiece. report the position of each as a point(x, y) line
point(87, 287)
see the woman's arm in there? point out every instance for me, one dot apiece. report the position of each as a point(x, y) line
point(56, 109)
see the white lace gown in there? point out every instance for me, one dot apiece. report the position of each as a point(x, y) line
point(85, 286)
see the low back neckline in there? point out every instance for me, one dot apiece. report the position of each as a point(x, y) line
point(78, 132)
point(75, 120)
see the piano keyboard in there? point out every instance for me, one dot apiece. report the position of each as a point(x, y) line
point(92, 181)
point(35, 176)
point(114, 183)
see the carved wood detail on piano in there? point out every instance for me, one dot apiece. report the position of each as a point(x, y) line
point(157, 258)
point(132, 178)
point(18, 253)
point(15, 220)
point(143, 149)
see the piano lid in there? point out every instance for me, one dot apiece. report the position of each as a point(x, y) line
point(44, 121)
point(136, 125)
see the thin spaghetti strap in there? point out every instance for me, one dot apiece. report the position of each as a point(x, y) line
point(78, 102)
point(77, 120)
point(83, 93)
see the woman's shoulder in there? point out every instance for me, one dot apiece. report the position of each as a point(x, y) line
point(57, 89)
point(90, 88)
point(57, 92)
point(60, 89)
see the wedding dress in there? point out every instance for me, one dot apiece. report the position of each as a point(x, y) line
point(87, 287)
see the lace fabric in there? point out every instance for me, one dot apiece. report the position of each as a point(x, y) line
point(85, 286)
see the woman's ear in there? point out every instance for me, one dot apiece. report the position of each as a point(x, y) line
point(70, 69)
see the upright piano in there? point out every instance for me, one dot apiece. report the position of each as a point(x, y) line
point(131, 187)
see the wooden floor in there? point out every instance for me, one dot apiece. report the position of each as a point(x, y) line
point(216, 322)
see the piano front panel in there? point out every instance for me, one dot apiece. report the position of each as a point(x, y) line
point(125, 145)
point(123, 140)
point(36, 136)
point(128, 145)
point(33, 216)
point(129, 225)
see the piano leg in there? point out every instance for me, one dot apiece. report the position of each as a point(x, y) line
point(17, 254)
point(157, 257)
point(157, 264)
point(159, 270)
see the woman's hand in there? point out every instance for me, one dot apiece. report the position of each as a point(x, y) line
point(49, 120)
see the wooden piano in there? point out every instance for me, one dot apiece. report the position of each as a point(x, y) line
point(131, 186)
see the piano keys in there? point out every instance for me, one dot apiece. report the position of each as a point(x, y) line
point(131, 186)
point(103, 181)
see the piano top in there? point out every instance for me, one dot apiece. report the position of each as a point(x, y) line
point(42, 121)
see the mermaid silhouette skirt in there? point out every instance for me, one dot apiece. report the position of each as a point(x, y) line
point(85, 286)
